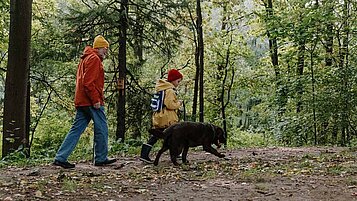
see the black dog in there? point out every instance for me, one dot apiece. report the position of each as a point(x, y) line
point(179, 137)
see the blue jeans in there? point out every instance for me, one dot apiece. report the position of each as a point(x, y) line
point(82, 119)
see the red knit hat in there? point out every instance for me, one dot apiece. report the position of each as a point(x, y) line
point(174, 75)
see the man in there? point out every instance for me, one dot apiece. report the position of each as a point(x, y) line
point(89, 103)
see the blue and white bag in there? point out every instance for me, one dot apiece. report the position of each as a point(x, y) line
point(157, 102)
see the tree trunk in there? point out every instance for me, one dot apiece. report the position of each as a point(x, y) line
point(273, 44)
point(27, 145)
point(138, 46)
point(328, 57)
point(223, 78)
point(281, 90)
point(195, 92)
point(15, 133)
point(201, 54)
point(345, 96)
point(299, 73)
point(120, 132)
point(313, 83)
point(224, 90)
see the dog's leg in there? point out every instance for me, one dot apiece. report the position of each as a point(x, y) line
point(213, 151)
point(174, 152)
point(184, 155)
point(158, 155)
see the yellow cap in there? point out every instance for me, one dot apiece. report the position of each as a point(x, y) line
point(99, 41)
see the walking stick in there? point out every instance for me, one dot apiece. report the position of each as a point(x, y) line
point(184, 110)
point(93, 159)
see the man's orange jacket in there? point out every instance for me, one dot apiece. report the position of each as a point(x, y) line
point(90, 79)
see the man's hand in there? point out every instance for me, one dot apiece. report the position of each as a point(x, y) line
point(96, 105)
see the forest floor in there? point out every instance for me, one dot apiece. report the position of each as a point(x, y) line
point(314, 173)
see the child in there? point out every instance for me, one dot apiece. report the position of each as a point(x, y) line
point(168, 115)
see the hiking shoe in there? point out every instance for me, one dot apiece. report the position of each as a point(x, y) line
point(106, 162)
point(146, 160)
point(144, 154)
point(65, 165)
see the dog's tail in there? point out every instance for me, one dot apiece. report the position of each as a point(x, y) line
point(157, 133)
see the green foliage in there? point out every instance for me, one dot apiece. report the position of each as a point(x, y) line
point(19, 158)
point(239, 139)
point(50, 133)
point(4, 39)
point(303, 29)
point(260, 101)
point(129, 147)
point(4, 27)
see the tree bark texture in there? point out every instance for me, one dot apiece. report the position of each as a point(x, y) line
point(120, 131)
point(201, 55)
point(15, 133)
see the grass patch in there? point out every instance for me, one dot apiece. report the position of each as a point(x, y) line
point(249, 139)
point(351, 181)
point(69, 185)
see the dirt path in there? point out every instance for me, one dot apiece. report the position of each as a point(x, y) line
point(250, 174)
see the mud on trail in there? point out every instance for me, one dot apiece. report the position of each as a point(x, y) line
point(250, 174)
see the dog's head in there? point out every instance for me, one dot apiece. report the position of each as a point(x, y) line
point(220, 136)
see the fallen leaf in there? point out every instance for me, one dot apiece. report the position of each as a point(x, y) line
point(8, 199)
point(38, 194)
